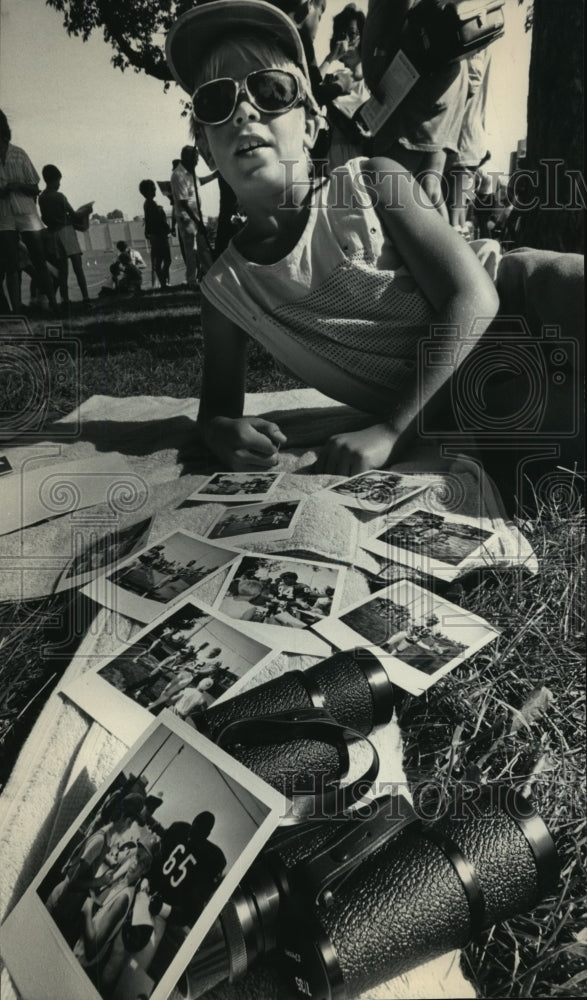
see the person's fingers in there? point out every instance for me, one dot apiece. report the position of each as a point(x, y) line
point(271, 429)
point(330, 461)
point(246, 460)
point(256, 441)
point(357, 464)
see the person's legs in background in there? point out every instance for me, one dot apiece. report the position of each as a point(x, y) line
point(536, 404)
point(9, 267)
point(78, 270)
point(188, 242)
point(33, 241)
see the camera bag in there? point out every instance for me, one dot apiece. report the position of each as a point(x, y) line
point(455, 31)
point(396, 53)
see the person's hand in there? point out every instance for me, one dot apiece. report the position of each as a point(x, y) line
point(245, 443)
point(339, 47)
point(344, 78)
point(358, 451)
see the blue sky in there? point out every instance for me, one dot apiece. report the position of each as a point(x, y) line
point(106, 130)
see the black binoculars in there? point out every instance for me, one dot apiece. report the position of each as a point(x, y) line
point(347, 904)
point(295, 731)
point(348, 900)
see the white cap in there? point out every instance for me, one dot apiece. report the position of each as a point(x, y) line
point(193, 34)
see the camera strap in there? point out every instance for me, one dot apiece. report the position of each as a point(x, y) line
point(327, 800)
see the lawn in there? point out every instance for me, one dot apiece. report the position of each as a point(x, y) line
point(516, 713)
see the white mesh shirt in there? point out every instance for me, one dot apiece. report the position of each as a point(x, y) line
point(340, 310)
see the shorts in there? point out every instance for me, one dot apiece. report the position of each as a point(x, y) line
point(25, 222)
point(64, 242)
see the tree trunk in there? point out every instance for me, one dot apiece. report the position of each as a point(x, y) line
point(555, 131)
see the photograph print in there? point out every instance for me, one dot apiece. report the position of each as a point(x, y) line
point(376, 490)
point(232, 487)
point(272, 521)
point(103, 553)
point(186, 661)
point(418, 636)
point(278, 598)
point(134, 885)
point(442, 545)
point(159, 575)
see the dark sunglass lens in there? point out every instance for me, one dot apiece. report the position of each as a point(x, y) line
point(273, 90)
point(214, 101)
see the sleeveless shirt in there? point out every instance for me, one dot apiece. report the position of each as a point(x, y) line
point(341, 311)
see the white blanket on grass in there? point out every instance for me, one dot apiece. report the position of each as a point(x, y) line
point(67, 756)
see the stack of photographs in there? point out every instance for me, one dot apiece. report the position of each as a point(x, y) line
point(133, 887)
point(185, 661)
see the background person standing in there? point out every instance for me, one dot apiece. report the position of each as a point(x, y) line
point(19, 187)
point(190, 225)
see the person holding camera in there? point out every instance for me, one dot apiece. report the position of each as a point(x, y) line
point(343, 67)
point(426, 126)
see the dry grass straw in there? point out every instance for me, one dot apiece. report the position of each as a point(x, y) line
point(517, 713)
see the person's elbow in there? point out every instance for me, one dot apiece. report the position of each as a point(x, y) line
point(486, 304)
point(474, 307)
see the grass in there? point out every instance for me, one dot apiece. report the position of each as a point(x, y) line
point(516, 712)
point(144, 345)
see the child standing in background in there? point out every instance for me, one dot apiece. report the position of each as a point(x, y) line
point(59, 218)
point(157, 232)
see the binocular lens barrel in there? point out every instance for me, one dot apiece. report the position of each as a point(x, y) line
point(423, 893)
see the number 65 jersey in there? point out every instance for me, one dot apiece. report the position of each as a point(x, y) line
point(189, 868)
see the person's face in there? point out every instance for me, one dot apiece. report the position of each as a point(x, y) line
point(118, 854)
point(351, 35)
point(250, 149)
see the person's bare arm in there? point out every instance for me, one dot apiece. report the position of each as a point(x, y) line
point(462, 296)
point(208, 177)
point(241, 442)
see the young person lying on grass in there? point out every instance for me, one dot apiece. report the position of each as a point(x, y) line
point(341, 280)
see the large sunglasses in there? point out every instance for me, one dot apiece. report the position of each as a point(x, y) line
point(270, 91)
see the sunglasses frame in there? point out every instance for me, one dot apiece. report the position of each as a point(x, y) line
point(242, 87)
